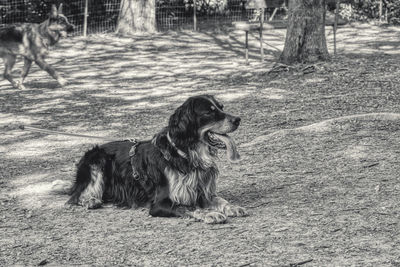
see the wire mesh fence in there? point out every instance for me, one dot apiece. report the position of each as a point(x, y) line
point(183, 14)
point(102, 15)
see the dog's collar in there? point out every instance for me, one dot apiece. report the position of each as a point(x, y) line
point(180, 152)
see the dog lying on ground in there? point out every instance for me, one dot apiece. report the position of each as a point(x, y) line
point(31, 41)
point(174, 174)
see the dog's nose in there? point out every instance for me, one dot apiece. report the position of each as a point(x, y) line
point(236, 121)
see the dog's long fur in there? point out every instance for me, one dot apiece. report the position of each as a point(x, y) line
point(174, 174)
point(31, 41)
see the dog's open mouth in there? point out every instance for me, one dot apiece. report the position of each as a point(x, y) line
point(223, 141)
point(215, 141)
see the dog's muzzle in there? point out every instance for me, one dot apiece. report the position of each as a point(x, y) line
point(218, 136)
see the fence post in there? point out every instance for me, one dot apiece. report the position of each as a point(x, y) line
point(261, 34)
point(194, 15)
point(85, 16)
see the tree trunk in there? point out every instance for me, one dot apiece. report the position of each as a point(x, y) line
point(305, 37)
point(136, 16)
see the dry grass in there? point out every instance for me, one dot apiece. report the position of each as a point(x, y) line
point(320, 168)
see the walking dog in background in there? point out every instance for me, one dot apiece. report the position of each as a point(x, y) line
point(31, 41)
point(174, 174)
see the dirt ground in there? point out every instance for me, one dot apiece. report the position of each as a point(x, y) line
point(320, 146)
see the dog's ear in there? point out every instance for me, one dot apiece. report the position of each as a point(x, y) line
point(53, 12)
point(183, 126)
point(60, 9)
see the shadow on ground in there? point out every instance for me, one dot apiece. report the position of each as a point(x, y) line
point(319, 190)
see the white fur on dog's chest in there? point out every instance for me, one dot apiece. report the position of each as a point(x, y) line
point(184, 188)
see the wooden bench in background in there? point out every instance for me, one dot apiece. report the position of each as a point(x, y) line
point(259, 25)
point(253, 26)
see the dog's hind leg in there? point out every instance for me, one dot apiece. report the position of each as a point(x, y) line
point(92, 195)
point(90, 179)
point(9, 62)
point(50, 70)
point(25, 69)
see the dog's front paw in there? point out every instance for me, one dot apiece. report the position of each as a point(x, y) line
point(235, 211)
point(211, 217)
point(214, 217)
point(92, 203)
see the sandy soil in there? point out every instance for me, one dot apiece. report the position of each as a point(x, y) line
point(320, 147)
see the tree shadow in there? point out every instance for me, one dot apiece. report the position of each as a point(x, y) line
point(129, 86)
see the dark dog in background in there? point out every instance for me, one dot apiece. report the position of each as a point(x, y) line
point(31, 41)
point(174, 174)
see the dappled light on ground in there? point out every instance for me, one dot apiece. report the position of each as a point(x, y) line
point(34, 193)
point(319, 169)
point(330, 125)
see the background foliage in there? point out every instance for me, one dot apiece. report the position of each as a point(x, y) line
point(37, 10)
point(369, 9)
point(209, 7)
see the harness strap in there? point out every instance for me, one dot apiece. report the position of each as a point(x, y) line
point(132, 153)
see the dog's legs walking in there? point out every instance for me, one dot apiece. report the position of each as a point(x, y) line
point(50, 70)
point(9, 62)
point(25, 70)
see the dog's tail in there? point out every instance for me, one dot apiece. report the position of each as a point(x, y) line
point(61, 187)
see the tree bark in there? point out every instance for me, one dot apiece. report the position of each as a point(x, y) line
point(136, 16)
point(305, 37)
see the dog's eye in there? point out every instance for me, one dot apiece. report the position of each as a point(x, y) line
point(209, 111)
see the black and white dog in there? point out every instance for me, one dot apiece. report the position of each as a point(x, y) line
point(174, 174)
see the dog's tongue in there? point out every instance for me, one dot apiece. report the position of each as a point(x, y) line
point(231, 150)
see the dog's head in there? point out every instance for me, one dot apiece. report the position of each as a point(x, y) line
point(59, 23)
point(202, 119)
